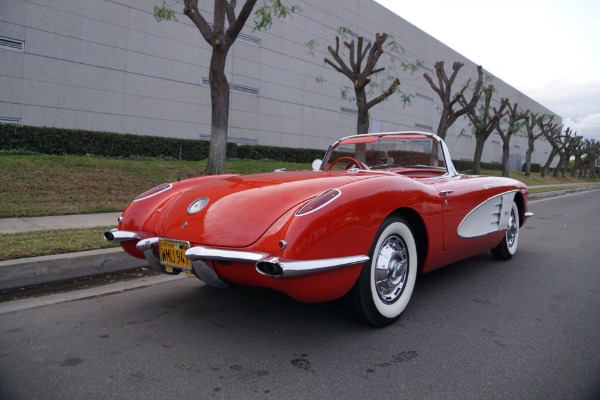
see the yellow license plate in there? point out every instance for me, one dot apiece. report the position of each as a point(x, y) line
point(172, 255)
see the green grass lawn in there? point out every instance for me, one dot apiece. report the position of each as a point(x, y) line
point(41, 185)
point(56, 241)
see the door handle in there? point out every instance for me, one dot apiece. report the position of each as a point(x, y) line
point(445, 193)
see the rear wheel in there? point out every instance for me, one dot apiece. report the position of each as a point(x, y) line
point(508, 246)
point(387, 280)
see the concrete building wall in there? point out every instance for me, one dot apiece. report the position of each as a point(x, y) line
point(108, 66)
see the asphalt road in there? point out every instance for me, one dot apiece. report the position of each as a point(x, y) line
point(480, 329)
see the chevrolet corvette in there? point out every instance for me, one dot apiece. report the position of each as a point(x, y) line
point(377, 210)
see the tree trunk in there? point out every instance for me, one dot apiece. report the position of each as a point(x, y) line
point(576, 166)
point(443, 126)
point(559, 167)
point(565, 168)
point(362, 123)
point(528, 154)
point(505, 158)
point(219, 97)
point(550, 159)
point(479, 143)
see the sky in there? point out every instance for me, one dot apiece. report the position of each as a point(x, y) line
point(547, 49)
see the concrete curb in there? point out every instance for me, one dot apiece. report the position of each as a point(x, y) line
point(25, 272)
point(557, 193)
point(32, 271)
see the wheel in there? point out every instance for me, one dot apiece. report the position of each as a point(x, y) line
point(508, 246)
point(387, 280)
point(353, 161)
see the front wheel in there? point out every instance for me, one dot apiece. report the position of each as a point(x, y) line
point(387, 280)
point(508, 246)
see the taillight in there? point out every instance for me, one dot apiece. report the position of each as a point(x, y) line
point(319, 202)
point(154, 191)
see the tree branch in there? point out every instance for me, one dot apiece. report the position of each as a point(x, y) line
point(191, 10)
point(390, 91)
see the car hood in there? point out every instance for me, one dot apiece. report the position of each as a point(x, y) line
point(241, 208)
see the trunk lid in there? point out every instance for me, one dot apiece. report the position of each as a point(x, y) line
point(241, 208)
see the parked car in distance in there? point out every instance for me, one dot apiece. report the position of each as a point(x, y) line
point(375, 212)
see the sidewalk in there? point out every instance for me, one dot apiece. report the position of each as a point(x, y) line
point(31, 271)
point(14, 225)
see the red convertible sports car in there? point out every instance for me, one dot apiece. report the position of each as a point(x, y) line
point(376, 211)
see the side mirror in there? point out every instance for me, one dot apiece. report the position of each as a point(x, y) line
point(316, 165)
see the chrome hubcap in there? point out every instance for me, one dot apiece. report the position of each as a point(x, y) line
point(391, 269)
point(513, 230)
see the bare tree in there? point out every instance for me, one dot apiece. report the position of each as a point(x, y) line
point(552, 134)
point(572, 145)
point(360, 69)
point(484, 120)
point(591, 152)
point(534, 126)
point(221, 35)
point(513, 125)
point(564, 148)
point(578, 154)
point(452, 105)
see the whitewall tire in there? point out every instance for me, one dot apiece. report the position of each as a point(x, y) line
point(387, 280)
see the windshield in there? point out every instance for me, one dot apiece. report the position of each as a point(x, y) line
point(387, 152)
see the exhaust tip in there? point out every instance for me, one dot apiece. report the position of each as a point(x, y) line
point(108, 235)
point(270, 268)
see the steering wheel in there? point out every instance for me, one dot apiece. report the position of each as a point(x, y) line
point(354, 161)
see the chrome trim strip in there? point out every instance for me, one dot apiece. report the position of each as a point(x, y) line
point(451, 170)
point(528, 214)
point(301, 212)
point(210, 254)
point(115, 235)
point(298, 268)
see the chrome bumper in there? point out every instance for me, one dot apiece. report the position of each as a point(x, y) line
point(265, 264)
point(204, 272)
point(528, 214)
point(273, 266)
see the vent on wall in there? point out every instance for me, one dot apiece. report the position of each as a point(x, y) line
point(421, 126)
point(10, 121)
point(245, 38)
point(249, 39)
point(11, 44)
point(238, 140)
point(424, 97)
point(355, 35)
point(236, 88)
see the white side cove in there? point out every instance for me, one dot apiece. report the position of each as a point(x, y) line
point(490, 216)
